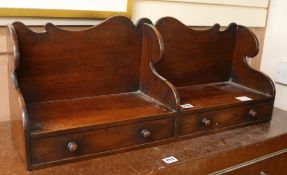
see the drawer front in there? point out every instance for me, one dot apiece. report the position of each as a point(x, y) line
point(51, 149)
point(274, 165)
point(223, 118)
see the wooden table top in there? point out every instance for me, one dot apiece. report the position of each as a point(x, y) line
point(194, 155)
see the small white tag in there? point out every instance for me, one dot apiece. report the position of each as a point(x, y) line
point(186, 106)
point(170, 160)
point(243, 98)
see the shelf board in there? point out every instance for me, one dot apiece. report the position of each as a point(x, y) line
point(214, 95)
point(57, 116)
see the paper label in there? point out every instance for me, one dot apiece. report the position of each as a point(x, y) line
point(186, 106)
point(243, 98)
point(170, 160)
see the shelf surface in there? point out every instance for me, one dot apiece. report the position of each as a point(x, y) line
point(222, 94)
point(47, 117)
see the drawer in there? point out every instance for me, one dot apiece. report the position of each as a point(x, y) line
point(273, 164)
point(198, 123)
point(69, 146)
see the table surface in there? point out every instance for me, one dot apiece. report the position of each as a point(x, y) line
point(149, 160)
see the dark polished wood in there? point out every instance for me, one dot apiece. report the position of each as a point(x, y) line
point(209, 70)
point(51, 149)
point(58, 64)
point(65, 116)
point(20, 124)
point(247, 46)
point(118, 86)
point(274, 164)
point(194, 57)
point(243, 151)
point(152, 51)
point(94, 84)
point(216, 120)
point(218, 95)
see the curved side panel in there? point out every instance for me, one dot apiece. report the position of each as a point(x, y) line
point(20, 128)
point(247, 46)
point(141, 22)
point(151, 82)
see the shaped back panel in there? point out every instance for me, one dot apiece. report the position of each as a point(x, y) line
point(59, 64)
point(195, 57)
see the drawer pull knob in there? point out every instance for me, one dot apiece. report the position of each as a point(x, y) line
point(72, 146)
point(145, 133)
point(263, 173)
point(252, 113)
point(206, 122)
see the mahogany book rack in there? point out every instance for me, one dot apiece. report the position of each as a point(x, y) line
point(210, 72)
point(119, 86)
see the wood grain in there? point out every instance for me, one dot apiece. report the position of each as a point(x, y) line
point(20, 124)
point(153, 83)
point(195, 57)
point(100, 141)
point(56, 66)
point(68, 82)
point(111, 79)
point(197, 156)
point(209, 70)
point(192, 124)
point(218, 95)
point(85, 113)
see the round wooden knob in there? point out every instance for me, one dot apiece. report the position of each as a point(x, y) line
point(145, 133)
point(72, 146)
point(206, 122)
point(252, 113)
point(263, 173)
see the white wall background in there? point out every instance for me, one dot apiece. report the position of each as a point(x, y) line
point(275, 46)
point(98, 5)
point(251, 13)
